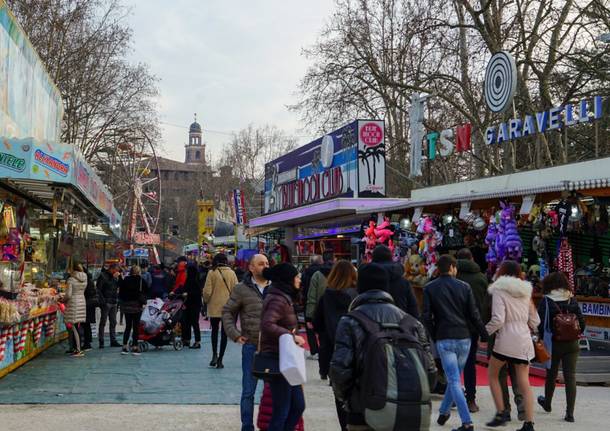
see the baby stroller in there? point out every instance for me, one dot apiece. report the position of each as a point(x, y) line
point(158, 324)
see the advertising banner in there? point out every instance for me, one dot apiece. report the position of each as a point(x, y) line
point(146, 238)
point(348, 162)
point(15, 158)
point(28, 158)
point(597, 309)
point(52, 162)
point(30, 103)
point(206, 219)
point(239, 207)
point(371, 159)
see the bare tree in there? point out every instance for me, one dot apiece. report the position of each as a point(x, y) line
point(84, 45)
point(251, 148)
point(245, 157)
point(374, 53)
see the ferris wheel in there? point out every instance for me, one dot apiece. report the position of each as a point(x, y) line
point(136, 184)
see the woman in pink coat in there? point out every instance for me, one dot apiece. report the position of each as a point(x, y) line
point(513, 318)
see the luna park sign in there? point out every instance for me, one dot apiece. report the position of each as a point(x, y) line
point(500, 88)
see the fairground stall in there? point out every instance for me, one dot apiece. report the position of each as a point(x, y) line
point(315, 192)
point(53, 207)
point(54, 211)
point(553, 219)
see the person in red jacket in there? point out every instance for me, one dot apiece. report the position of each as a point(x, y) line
point(265, 410)
point(180, 275)
point(279, 318)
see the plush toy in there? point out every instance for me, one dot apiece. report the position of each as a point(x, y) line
point(384, 233)
point(490, 241)
point(511, 244)
point(415, 270)
point(370, 241)
point(427, 246)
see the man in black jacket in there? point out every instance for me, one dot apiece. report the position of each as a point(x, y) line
point(348, 358)
point(108, 294)
point(400, 289)
point(470, 273)
point(449, 313)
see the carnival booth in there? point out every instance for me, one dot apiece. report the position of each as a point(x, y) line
point(553, 219)
point(314, 192)
point(54, 210)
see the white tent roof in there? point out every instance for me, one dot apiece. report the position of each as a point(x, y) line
point(576, 176)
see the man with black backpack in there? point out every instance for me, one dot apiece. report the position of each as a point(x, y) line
point(392, 392)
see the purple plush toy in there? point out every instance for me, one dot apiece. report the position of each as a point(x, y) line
point(511, 244)
point(490, 240)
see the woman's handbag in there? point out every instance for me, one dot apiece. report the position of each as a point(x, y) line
point(266, 365)
point(540, 352)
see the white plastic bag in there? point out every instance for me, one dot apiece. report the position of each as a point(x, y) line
point(292, 361)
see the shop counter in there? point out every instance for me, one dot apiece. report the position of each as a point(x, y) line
point(24, 340)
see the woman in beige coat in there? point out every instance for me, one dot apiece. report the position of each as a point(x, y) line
point(218, 287)
point(513, 318)
point(76, 307)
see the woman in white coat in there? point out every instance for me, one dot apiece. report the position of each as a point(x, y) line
point(76, 307)
point(513, 318)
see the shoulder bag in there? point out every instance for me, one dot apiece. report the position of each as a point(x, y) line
point(266, 365)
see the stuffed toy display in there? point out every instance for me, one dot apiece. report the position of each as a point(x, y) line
point(512, 247)
point(427, 246)
point(374, 235)
point(415, 270)
point(490, 241)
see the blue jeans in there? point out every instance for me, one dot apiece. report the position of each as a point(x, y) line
point(288, 405)
point(453, 354)
point(248, 387)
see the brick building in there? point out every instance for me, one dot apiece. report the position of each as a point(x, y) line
point(182, 183)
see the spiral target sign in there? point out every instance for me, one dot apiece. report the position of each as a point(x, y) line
point(500, 81)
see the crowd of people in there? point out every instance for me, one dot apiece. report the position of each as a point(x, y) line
point(383, 354)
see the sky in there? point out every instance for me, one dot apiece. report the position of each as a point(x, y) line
point(233, 62)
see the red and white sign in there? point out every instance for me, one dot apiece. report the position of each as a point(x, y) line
point(147, 238)
point(371, 134)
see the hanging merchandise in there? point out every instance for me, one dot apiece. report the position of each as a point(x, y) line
point(427, 246)
point(539, 246)
point(23, 222)
point(563, 210)
point(384, 233)
point(565, 261)
point(452, 235)
point(490, 240)
point(509, 240)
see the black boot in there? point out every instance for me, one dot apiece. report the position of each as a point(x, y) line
point(545, 406)
point(527, 426)
point(219, 364)
point(498, 420)
point(213, 361)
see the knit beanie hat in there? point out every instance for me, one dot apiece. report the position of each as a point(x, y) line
point(282, 273)
point(372, 276)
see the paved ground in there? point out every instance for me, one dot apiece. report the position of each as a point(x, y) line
point(176, 390)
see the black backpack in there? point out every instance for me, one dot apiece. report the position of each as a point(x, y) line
point(394, 391)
